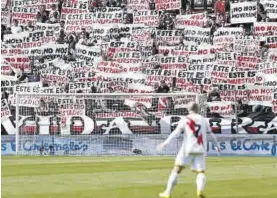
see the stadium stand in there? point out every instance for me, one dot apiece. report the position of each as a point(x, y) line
point(222, 50)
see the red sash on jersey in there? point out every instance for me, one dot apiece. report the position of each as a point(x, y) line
point(192, 127)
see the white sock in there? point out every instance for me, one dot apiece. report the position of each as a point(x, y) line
point(200, 182)
point(172, 180)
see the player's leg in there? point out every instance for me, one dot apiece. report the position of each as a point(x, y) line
point(180, 163)
point(199, 165)
point(172, 181)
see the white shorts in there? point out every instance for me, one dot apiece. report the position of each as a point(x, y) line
point(196, 162)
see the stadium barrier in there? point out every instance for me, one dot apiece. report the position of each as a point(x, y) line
point(95, 145)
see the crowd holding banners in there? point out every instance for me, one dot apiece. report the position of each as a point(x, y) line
point(99, 49)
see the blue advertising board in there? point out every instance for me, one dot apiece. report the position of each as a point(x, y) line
point(240, 145)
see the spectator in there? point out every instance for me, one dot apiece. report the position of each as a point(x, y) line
point(29, 27)
point(54, 14)
point(163, 88)
point(201, 90)
point(16, 28)
point(214, 95)
point(42, 15)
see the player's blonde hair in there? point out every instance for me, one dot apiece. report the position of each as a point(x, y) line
point(193, 107)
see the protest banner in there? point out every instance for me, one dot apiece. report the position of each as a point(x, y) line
point(168, 36)
point(202, 58)
point(226, 35)
point(108, 17)
point(205, 49)
point(197, 35)
point(270, 8)
point(99, 32)
point(14, 39)
point(271, 41)
point(185, 50)
point(24, 15)
point(173, 62)
point(57, 75)
point(127, 30)
point(39, 4)
point(141, 33)
point(128, 57)
point(50, 51)
point(37, 39)
point(105, 9)
point(247, 62)
point(183, 101)
point(119, 46)
point(138, 102)
point(133, 68)
point(71, 106)
point(147, 17)
point(79, 67)
point(5, 68)
point(140, 88)
point(265, 28)
point(245, 12)
point(5, 109)
point(19, 62)
point(12, 51)
point(88, 54)
point(252, 96)
point(33, 87)
point(47, 26)
point(7, 82)
point(183, 21)
point(137, 4)
point(74, 7)
point(75, 22)
point(5, 16)
point(160, 72)
point(75, 86)
point(225, 58)
point(274, 102)
point(247, 45)
point(221, 108)
point(168, 4)
point(244, 77)
point(146, 47)
point(269, 77)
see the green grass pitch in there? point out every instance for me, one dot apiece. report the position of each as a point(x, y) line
point(133, 177)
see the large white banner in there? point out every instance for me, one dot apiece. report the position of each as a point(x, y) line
point(244, 12)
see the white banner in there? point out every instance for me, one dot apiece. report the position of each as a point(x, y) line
point(245, 12)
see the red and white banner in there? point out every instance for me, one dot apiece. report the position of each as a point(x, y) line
point(147, 17)
point(168, 4)
point(183, 21)
point(24, 15)
point(222, 108)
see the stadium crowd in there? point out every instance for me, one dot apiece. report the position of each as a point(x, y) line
point(150, 33)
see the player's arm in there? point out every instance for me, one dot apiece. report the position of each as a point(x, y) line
point(177, 131)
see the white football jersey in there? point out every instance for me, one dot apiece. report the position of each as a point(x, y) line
point(195, 128)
